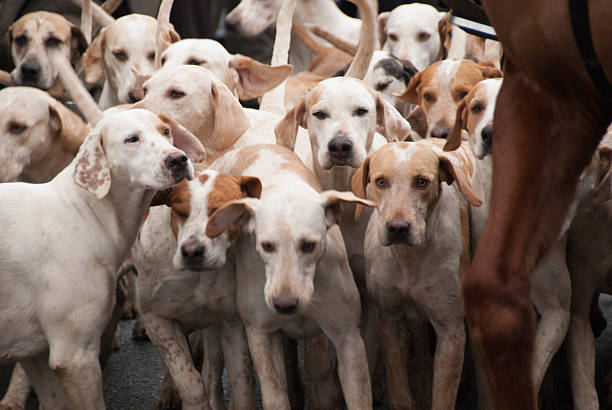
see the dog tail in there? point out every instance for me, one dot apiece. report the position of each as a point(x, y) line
point(334, 40)
point(86, 20)
point(100, 16)
point(303, 33)
point(163, 26)
point(368, 41)
point(75, 88)
point(274, 100)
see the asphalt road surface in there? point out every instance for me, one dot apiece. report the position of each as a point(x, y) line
point(133, 375)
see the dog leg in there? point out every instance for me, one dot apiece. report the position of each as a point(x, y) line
point(18, 391)
point(267, 354)
point(551, 294)
point(322, 391)
point(448, 363)
point(239, 367)
point(212, 365)
point(49, 390)
point(172, 344)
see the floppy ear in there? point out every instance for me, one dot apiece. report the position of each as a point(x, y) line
point(174, 36)
point(602, 190)
point(444, 29)
point(382, 27)
point(255, 78)
point(449, 173)
point(453, 141)
point(91, 170)
point(286, 130)
point(411, 94)
point(93, 59)
point(230, 120)
point(69, 126)
point(78, 43)
point(250, 187)
point(390, 123)
point(488, 70)
point(331, 200)
point(184, 140)
point(359, 182)
point(234, 213)
point(418, 121)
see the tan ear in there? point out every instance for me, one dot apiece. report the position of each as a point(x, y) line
point(91, 170)
point(286, 130)
point(250, 187)
point(382, 27)
point(418, 121)
point(449, 173)
point(390, 123)
point(174, 36)
point(255, 78)
point(331, 200)
point(230, 120)
point(184, 140)
point(234, 213)
point(93, 59)
point(488, 70)
point(411, 94)
point(453, 141)
point(78, 44)
point(444, 29)
point(69, 126)
point(602, 190)
point(359, 183)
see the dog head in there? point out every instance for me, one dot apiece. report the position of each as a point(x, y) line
point(251, 17)
point(192, 203)
point(124, 52)
point(341, 115)
point(440, 88)
point(32, 37)
point(405, 181)
point(410, 32)
point(33, 126)
point(136, 147)
point(475, 114)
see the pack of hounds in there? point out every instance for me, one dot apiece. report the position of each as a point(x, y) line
point(344, 212)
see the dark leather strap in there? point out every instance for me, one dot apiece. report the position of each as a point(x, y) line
point(579, 14)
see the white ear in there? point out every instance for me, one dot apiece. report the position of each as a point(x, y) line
point(91, 170)
point(390, 123)
point(330, 200)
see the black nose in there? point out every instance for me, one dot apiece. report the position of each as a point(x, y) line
point(487, 137)
point(340, 148)
point(285, 305)
point(440, 132)
point(134, 96)
point(398, 231)
point(177, 164)
point(30, 70)
point(230, 23)
point(192, 251)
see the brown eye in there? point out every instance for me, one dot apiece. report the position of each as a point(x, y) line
point(52, 42)
point(307, 246)
point(120, 55)
point(193, 61)
point(15, 128)
point(151, 56)
point(163, 60)
point(21, 41)
point(393, 37)
point(268, 247)
point(421, 182)
point(131, 139)
point(180, 214)
point(167, 132)
point(476, 108)
point(360, 112)
point(383, 86)
point(320, 115)
point(462, 94)
point(380, 182)
point(428, 97)
point(144, 90)
point(175, 94)
point(423, 36)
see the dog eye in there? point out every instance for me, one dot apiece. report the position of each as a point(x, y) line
point(428, 97)
point(477, 108)
point(393, 37)
point(193, 61)
point(175, 94)
point(421, 182)
point(321, 115)
point(15, 128)
point(180, 214)
point(360, 112)
point(21, 41)
point(382, 86)
point(307, 246)
point(151, 56)
point(144, 90)
point(120, 55)
point(462, 94)
point(163, 60)
point(380, 182)
point(167, 132)
point(131, 139)
point(53, 42)
point(268, 247)
point(423, 36)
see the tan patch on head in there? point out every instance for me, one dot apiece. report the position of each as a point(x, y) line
point(226, 188)
point(180, 202)
point(468, 75)
point(162, 129)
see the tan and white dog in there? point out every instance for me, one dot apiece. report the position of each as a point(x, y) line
point(417, 246)
point(52, 317)
point(440, 87)
point(32, 37)
point(123, 53)
point(292, 270)
point(185, 284)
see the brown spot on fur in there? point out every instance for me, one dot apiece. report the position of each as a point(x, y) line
point(180, 202)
